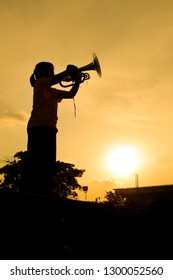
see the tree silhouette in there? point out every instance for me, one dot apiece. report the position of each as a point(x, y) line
point(116, 200)
point(65, 182)
point(13, 172)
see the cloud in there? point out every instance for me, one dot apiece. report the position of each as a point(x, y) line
point(13, 118)
point(105, 184)
point(99, 187)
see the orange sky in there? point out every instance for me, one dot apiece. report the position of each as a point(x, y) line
point(130, 105)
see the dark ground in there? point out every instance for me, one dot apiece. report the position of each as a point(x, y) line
point(37, 227)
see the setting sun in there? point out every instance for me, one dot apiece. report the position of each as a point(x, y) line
point(123, 160)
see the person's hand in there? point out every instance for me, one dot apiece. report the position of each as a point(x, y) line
point(74, 72)
point(72, 68)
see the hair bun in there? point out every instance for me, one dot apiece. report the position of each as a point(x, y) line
point(32, 79)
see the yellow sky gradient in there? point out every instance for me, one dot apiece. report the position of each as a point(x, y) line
point(130, 105)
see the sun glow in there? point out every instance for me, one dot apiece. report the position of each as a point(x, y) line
point(123, 161)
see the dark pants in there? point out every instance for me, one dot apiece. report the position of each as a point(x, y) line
point(41, 159)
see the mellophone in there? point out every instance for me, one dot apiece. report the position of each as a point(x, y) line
point(94, 65)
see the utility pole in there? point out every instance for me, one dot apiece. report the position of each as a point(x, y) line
point(136, 181)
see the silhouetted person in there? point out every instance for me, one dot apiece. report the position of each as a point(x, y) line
point(41, 126)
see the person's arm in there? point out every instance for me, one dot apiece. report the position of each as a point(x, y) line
point(56, 79)
point(76, 74)
point(63, 94)
point(73, 91)
point(71, 70)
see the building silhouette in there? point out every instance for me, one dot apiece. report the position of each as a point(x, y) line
point(147, 195)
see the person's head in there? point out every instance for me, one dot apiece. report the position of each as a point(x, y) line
point(43, 69)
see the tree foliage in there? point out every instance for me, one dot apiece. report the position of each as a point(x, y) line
point(65, 179)
point(13, 172)
point(116, 200)
point(65, 182)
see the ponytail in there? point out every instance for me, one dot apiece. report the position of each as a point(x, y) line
point(32, 79)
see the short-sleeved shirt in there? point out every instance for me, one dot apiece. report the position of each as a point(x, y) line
point(45, 104)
